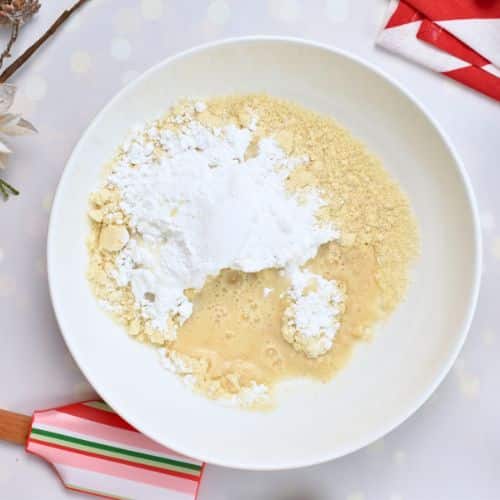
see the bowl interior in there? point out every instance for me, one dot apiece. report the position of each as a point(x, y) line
point(388, 378)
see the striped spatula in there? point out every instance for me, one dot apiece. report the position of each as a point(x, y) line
point(95, 451)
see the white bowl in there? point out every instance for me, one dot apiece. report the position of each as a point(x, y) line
point(388, 378)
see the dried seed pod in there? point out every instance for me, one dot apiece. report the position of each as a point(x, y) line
point(17, 11)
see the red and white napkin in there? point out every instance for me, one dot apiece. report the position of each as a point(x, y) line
point(458, 38)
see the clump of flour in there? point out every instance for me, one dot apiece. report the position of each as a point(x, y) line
point(230, 392)
point(196, 203)
point(311, 320)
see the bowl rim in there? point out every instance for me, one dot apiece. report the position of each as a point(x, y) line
point(473, 292)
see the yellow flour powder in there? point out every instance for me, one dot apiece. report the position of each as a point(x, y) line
point(233, 342)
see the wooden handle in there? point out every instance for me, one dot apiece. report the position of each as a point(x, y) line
point(14, 427)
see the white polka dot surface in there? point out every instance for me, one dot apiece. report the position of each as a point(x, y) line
point(376, 448)
point(80, 61)
point(23, 104)
point(495, 247)
point(35, 88)
point(5, 474)
point(287, 11)
point(399, 458)
point(469, 383)
point(47, 201)
point(152, 10)
point(356, 495)
point(218, 12)
point(470, 386)
point(128, 76)
point(488, 221)
point(120, 49)
point(40, 265)
point(73, 24)
point(489, 337)
point(338, 10)
point(126, 20)
point(7, 285)
point(447, 450)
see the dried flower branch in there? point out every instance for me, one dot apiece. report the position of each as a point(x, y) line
point(16, 13)
point(13, 37)
point(10, 70)
point(10, 125)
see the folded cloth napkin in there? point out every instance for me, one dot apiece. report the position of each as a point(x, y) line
point(458, 38)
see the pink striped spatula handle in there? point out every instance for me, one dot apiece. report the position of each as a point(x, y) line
point(95, 451)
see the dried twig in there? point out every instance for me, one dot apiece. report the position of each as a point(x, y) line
point(30, 7)
point(12, 68)
point(13, 37)
point(9, 13)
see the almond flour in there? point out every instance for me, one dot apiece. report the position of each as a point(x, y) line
point(203, 208)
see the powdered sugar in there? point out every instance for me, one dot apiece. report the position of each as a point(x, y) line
point(200, 106)
point(311, 320)
point(197, 205)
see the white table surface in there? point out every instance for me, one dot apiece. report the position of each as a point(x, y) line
point(450, 449)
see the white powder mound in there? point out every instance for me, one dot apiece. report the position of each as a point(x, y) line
point(190, 369)
point(311, 321)
point(203, 207)
point(249, 396)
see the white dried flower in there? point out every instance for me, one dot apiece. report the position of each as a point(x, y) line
point(10, 124)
